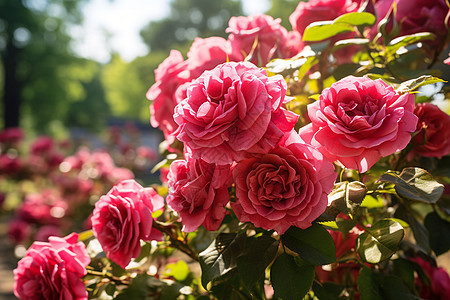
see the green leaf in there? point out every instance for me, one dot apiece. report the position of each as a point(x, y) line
point(256, 256)
point(380, 241)
point(349, 42)
point(85, 235)
point(289, 280)
point(369, 285)
point(179, 270)
point(403, 41)
point(372, 202)
point(356, 19)
point(285, 66)
point(347, 196)
point(318, 31)
point(220, 257)
point(439, 230)
point(327, 290)
point(415, 184)
point(394, 288)
point(313, 244)
point(344, 70)
point(413, 84)
point(404, 269)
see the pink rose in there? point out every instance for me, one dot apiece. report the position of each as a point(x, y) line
point(198, 191)
point(439, 279)
point(233, 110)
point(320, 10)
point(42, 145)
point(123, 217)
point(415, 16)
point(11, 136)
point(358, 120)
point(259, 36)
point(287, 186)
point(206, 54)
point(19, 231)
point(433, 137)
point(170, 74)
point(53, 270)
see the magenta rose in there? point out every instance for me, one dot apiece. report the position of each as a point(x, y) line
point(433, 137)
point(231, 111)
point(358, 120)
point(123, 217)
point(415, 16)
point(169, 75)
point(287, 186)
point(439, 279)
point(198, 191)
point(52, 270)
point(258, 36)
point(320, 10)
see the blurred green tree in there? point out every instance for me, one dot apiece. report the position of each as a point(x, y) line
point(189, 19)
point(41, 76)
point(283, 9)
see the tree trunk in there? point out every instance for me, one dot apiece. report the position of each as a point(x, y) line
point(12, 86)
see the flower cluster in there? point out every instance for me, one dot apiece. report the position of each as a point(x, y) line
point(303, 158)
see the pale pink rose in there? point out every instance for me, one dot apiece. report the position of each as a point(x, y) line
point(198, 191)
point(358, 120)
point(415, 16)
point(53, 270)
point(287, 186)
point(259, 36)
point(320, 10)
point(169, 75)
point(231, 111)
point(123, 217)
point(433, 137)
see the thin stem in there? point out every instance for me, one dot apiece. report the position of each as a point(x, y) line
point(172, 232)
point(115, 279)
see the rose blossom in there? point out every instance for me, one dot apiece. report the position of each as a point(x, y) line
point(270, 38)
point(123, 217)
point(433, 137)
point(287, 186)
point(206, 54)
point(439, 280)
point(169, 75)
point(415, 16)
point(198, 191)
point(233, 110)
point(358, 120)
point(52, 270)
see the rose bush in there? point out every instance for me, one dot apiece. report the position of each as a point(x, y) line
point(334, 211)
point(123, 217)
point(358, 120)
point(53, 270)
